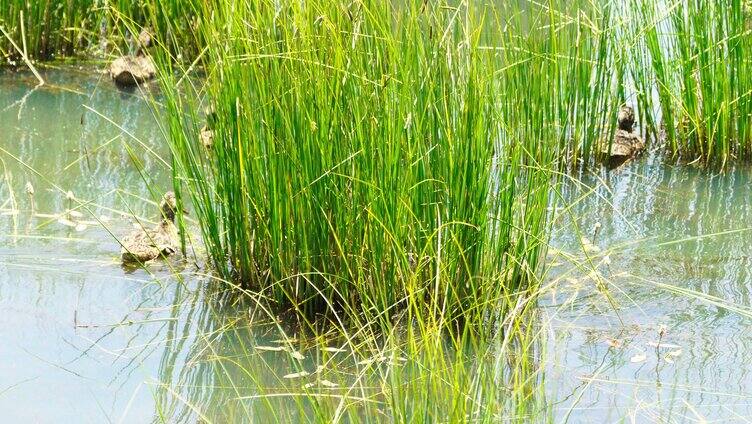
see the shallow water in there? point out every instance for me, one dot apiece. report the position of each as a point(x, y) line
point(65, 357)
point(83, 340)
point(678, 243)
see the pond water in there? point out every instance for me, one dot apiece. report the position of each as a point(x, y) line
point(671, 344)
point(84, 340)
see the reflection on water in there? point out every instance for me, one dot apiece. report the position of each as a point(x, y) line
point(675, 347)
point(65, 357)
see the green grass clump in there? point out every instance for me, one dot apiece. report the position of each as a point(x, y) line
point(49, 29)
point(362, 156)
point(699, 55)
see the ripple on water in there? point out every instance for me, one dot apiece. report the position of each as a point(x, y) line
point(679, 263)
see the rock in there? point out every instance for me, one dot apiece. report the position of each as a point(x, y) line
point(145, 245)
point(626, 144)
point(207, 137)
point(129, 71)
point(624, 147)
point(144, 40)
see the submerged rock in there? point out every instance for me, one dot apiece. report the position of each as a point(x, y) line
point(626, 144)
point(207, 137)
point(207, 132)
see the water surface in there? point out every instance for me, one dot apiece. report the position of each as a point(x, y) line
point(672, 344)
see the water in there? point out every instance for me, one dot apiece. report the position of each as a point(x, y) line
point(679, 275)
point(83, 340)
point(64, 356)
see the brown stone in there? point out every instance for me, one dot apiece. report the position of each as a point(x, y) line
point(129, 71)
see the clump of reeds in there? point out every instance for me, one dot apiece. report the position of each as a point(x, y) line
point(368, 155)
point(698, 54)
point(50, 29)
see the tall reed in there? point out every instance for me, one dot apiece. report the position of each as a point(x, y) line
point(361, 156)
point(49, 29)
point(699, 53)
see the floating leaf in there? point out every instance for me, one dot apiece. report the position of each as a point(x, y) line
point(75, 214)
point(81, 227)
point(333, 349)
point(297, 375)
point(271, 348)
point(66, 222)
point(325, 383)
point(640, 357)
point(297, 355)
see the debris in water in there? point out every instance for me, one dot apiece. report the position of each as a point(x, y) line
point(615, 343)
point(66, 222)
point(640, 357)
point(271, 348)
point(589, 247)
point(370, 361)
point(663, 345)
point(670, 357)
point(297, 375)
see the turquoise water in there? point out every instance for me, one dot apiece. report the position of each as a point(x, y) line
point(65, 358)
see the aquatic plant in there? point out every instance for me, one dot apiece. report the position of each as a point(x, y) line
point(49, 29)
point(362, 156)
point(698, 54)
point(260, 369)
